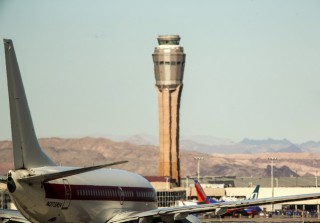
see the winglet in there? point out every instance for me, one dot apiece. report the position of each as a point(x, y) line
point(26, 150)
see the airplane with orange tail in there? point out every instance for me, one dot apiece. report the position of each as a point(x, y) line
point(248, 211)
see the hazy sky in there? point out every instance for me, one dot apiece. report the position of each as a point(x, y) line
point(252, 67)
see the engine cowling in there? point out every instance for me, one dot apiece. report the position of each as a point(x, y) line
point(190, 219)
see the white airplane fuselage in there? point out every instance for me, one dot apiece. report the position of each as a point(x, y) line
point(94, 196)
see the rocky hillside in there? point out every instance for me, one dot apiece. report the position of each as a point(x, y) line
point(144, 159)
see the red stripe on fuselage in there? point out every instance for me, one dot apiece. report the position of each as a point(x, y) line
point(90, 192)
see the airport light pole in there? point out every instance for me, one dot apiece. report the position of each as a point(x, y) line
point(272, 159)
point(316, 175)
point(198, 158)
point(187, 187)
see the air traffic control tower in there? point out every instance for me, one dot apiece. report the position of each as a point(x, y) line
point(169, 61)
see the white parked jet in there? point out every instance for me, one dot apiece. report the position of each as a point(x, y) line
point(45, 192)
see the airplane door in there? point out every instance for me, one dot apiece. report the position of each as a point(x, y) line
point(67, 194)
point(121, 193)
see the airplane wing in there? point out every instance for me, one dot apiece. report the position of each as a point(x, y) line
point(178, 213)
point(12, 216)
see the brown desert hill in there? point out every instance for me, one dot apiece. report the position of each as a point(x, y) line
point(144, 159)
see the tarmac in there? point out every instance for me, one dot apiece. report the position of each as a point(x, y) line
point(277, 219)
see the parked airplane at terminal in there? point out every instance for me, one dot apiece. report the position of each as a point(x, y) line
point(247, 211)
point(45, 192)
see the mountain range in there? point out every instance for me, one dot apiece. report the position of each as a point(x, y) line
point(211, 144)
point(221, 157)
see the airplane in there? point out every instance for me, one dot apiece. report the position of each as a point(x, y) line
point(45, 192)
point(248, 211)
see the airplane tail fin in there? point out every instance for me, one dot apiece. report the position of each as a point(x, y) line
point(255, 193)
point(26, 150)
point(201, 195)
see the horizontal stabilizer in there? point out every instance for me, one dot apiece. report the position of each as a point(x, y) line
point(53, 176)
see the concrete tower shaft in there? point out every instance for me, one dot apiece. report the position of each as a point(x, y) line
point(169, 61)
